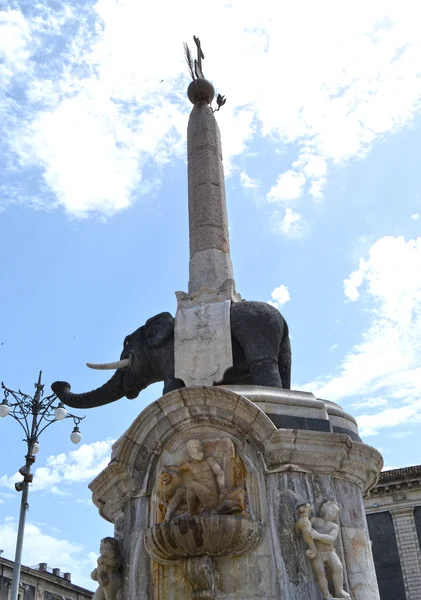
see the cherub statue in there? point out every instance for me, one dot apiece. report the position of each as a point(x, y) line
point(324, 533)
point(304, 525)
point(108, 571)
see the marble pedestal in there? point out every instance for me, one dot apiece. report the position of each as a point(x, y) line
point(271, 451)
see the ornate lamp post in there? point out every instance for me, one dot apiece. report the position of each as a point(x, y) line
point(34, 415)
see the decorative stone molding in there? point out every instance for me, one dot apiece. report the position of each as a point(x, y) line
point(323, 453)
point(294, 409)
point(135, 453)
point(200, 573)
point(212, 535)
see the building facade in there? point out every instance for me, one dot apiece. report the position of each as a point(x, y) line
point(393, 510)
point(40, 583)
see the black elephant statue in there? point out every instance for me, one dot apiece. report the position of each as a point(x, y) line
point(260, 345)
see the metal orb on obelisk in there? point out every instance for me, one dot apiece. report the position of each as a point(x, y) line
point(203, 349)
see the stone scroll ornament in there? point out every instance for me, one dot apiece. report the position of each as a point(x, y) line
point(108, 571)
point(320, 534)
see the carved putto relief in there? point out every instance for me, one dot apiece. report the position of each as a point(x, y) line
point(320, 534)
point(209, 480)
point(108, 571)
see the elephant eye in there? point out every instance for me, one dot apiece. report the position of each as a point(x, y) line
point(126, 341)
point(151, 333)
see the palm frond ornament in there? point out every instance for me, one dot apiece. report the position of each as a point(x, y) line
point(189, 60)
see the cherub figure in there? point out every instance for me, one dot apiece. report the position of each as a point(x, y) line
point(324, 532)
point(304, 525)
point(108, 571)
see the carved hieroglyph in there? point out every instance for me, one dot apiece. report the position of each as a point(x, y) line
point(209, 480)
point(320, 533)
point(108, 571)
point(202, 337)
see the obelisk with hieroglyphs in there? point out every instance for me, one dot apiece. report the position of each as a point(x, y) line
point(202, 327)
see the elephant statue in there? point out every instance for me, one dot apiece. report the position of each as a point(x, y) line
point(260, 345)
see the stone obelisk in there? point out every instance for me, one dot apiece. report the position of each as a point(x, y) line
point(203, 349)
point(210, 261)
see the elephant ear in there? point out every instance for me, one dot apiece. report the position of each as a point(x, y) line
point(159, 329)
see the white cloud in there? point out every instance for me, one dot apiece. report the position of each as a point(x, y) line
point(7, 495)
point(39, 547)
point(400, 435)
point(391, 417)
point(100, 107)
point(14, 36)
point(290, 224)
point(288, 187)
point(280, 296)
point(416, 216)
point(355, 280)
point(247, 182)
point(369, 403)
point(314, 168)
point(387, 358)
point(61, 470)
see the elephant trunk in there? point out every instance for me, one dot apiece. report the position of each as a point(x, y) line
point(109, 392)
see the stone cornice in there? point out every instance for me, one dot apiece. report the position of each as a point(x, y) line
point(323, 453)
point(389, 485)
point(135, 453)
point(404, 474)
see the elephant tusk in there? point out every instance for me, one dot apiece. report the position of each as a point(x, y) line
point(119, 364)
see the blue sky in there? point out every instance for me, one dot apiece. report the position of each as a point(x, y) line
point(321, 138)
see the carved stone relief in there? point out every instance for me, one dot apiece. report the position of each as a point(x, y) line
point(202, 337)
point(320, 534)
point(200, 508)
point(108, 571)
point(211, 479)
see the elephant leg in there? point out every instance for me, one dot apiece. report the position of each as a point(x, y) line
point(259, 330)
point(261, 355)
point(265, 371)
point(171, 385)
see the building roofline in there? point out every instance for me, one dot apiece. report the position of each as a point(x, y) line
point(403, 474)
point(47, 576)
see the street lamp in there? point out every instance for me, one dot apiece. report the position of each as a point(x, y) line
point(34, 415)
